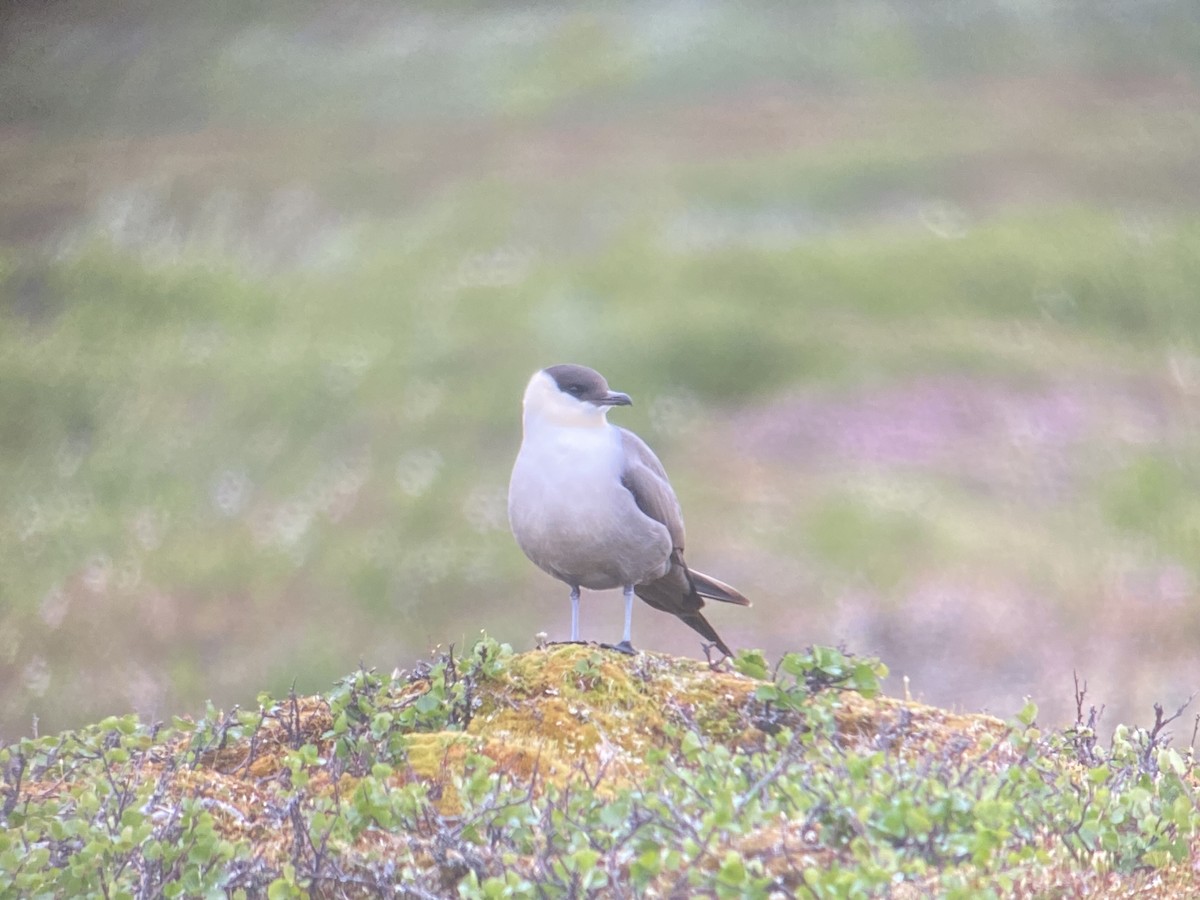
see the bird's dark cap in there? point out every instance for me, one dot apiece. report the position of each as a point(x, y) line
point(586, 384)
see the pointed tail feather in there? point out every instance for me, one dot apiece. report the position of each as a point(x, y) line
point(676, 594)
point(707, 586)
point(700, 624)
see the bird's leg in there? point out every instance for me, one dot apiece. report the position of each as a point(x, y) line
point(626, 646)
point(575, 612)
point(628, 635)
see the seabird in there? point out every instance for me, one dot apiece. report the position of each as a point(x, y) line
point(591, 505)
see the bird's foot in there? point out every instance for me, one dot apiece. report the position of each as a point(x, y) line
point(623, 647)
point(564, 644)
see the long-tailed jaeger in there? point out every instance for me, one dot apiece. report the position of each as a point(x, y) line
point(590, 503)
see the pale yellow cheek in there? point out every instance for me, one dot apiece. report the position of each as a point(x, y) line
point(551, 405)
point(576, 417)
point(562, 410)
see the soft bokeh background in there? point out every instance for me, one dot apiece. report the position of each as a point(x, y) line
point(907, 295)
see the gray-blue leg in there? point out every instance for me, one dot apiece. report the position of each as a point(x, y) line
point(626, 645)
point(628, 636)
point(575, 613)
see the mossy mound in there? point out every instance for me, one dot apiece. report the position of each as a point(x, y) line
point(576, 771)
point(553, 713)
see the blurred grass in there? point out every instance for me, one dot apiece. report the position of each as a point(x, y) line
point(271, 286)
point(258, 457)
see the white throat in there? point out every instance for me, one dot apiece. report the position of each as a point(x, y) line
point(545, 405)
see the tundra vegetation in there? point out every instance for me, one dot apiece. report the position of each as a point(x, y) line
point(571, 771)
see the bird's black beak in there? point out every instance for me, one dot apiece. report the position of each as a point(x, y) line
point(614, 398)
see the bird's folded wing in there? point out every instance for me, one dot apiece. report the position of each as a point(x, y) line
point(645, 478)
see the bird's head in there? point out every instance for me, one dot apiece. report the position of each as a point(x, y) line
point(571, 395)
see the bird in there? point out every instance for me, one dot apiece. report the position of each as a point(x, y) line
point(590, 504)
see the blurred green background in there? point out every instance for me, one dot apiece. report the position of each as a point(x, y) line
point(907, 295)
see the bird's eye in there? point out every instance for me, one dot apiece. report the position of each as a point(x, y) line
point(575, 389)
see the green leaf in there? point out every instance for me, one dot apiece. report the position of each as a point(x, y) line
point(733, 870)
point(1028, 714)
point(752, 664)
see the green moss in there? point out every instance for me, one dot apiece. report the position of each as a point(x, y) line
point(572, 765)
